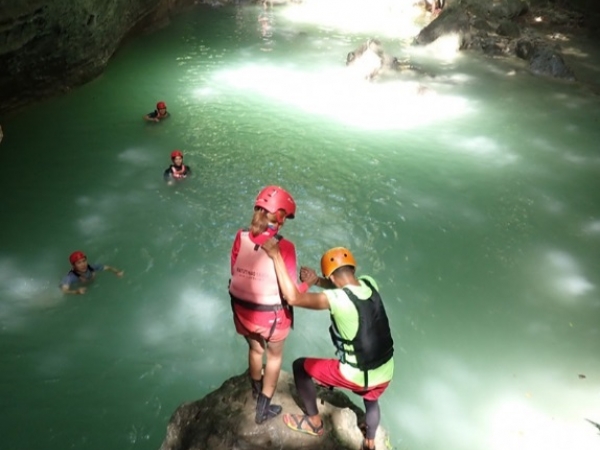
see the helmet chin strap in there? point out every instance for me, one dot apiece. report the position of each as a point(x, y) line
point(280, 217)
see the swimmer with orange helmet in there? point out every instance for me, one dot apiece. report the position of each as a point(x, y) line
point(160, 113)
point(82, 273)
point(177, 171)
point(260, 314)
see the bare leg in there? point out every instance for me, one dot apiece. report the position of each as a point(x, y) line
point(256, 350)
point(264, 409)
point(273, 367)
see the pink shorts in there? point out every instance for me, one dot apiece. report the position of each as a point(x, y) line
point(327, 373)
point(249, 322)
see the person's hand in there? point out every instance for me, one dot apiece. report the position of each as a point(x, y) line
point(120, 273)
point(80, 290)
point(271, 247)
point(156, 119)
point(308, 275)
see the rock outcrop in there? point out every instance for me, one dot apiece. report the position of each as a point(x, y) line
point(51, 46)
point(224, 420)
point(368, 60)
point(511, 28)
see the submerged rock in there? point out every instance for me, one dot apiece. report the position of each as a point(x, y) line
point(224, 420)
point(547, 61)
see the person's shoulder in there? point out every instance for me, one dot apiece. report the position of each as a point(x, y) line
point(97, 267)
point(152, 114)
point(338, 299)
point(286, 244)
point(69, 279)
point(367, 279)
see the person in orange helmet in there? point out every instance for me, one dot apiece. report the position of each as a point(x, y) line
point(82, 273)
point(177, 171)
point(260, 315)
point(360, 332)
point(160, 113)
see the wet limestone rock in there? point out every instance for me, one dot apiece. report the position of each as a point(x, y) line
point(549, 62)
point(498, 28)
point(50, 46)
point(224, 420)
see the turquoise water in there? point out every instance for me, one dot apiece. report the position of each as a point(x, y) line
point(475, 204)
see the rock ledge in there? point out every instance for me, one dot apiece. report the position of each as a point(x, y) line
point(224, 420)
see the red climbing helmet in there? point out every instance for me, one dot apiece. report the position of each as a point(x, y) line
point(274, 198)
point(161, 105)
point(76, 256)
point(176, 153)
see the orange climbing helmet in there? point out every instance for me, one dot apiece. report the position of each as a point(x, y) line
point(274, 198)
point(335, 258)
point(176, 153)
point(76, 256)
point(161, 105)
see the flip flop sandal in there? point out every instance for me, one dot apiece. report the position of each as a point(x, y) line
point(295, 421)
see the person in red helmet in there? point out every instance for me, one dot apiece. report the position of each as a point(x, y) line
point(160, 113)
point(177, 171)
point(82, 273)
point(259, 312)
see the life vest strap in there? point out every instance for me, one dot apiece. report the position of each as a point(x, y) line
point(254, 306)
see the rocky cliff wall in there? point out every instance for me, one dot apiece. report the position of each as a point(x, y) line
point(48, 46)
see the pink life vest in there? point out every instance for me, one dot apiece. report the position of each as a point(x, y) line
point(178, 173)
point(254, 279)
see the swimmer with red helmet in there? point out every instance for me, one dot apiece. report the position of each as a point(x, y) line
point(260, 314)
point(160, 113)
point(176, 171)
point(82, 273)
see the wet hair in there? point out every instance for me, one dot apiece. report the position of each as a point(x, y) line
point(261, 220)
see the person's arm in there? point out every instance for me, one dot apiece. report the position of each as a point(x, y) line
point(66, 283)
point(167, 174)
point(310, 277)
point(65, 286)
point(67, 290)
point(288, 287)
point(151, 117)
point(288, 253)
point(114, 270)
